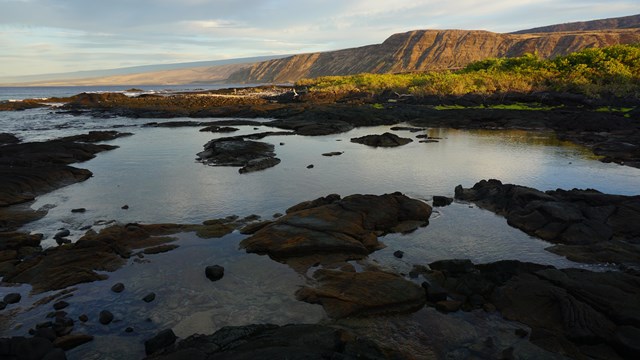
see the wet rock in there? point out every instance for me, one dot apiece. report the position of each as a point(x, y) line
point(25, 348)
point(149, 297)
point(30, 169)
point(128, 330)
point(125, 207)
point(331, 225)
point(447, 306)
point(252, 228)
point(61, 234)
point(333, 153)
point(219, 129)
point(249, 155)
point(60, 305)
point(3, 305)
point(6, 138)
point(79, 210)
point(160, 341)
point(83, 318)
point(277, 215)
point(117, 288)
point(71, 341)
point(299, 341)
point(399, 254)
point(214, 272)
point(311, 127)
point(259, 164)
point(407, 128)
point(434, 292)
point(160, 249)
point(105, 317)
point(47, 333)
point(442, 201)
point(12, 298)
point(343, 294)
point(310, 166)
point(580, 218)
point(384, 140)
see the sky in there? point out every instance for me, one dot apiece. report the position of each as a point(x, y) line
point(55, 36)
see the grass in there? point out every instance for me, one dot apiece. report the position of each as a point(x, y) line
point(610, 71)
point(515, 106)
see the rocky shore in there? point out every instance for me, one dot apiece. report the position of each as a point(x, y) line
point(557, 313)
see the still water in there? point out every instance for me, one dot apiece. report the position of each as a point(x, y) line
point(154, 172)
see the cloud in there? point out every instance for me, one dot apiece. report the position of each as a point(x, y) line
point(155, 31)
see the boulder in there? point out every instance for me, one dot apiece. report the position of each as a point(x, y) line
point(12, 298)
point(331, 225)
point(214, 272)
point(249, 155)
point(384, 140)
point(440, 201)
point(160, 341)
point(105, 317)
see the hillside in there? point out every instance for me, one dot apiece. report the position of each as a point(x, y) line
point(423, 50)
point(626, 22)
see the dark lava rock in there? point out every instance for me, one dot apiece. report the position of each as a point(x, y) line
point(259, 164)
point(71, 341)
point(105, 317)
point(310, 166)
point(3, 305)
point(96, 136)
point(447, 306)
point(149, 297)
point(47, 333)
point(333, 153)
point(160, 249)
point(399, 254)
point(78, 210)
point(219, 129)
point(565, 308)
point(407, 128)
point(331, 225)
point(581, 218)
point(235, 151)
point(12, 298)
point(160, 341)
point(442, 201)
point(125, 207)
point(61, 234)
point(20, 348)
point(343, 294)
point(384, 140)
point(60, 305)
point(252, 228)
point(214, 272)
point(128, 329)
point(117, 288)
point(83, 318)
point(300, 341)
point(6, 138)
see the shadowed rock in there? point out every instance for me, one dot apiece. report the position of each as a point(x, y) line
point(300, 341)
point(574, 218)
point(384, 140)
point(343, 294)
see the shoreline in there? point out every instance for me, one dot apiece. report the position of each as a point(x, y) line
point(605, 133)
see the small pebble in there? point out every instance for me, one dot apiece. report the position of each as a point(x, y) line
point(83, 318)
point(118, 288)
point(105, 317)
point(399, 254)
point(149, 298)
point(310, 166)
point(125, 207)
point(128, 330)
point(78, 210)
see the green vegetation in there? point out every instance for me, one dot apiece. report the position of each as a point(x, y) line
point(613, 70)
point(516, 106)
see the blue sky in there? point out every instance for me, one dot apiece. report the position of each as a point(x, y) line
point(50, 36)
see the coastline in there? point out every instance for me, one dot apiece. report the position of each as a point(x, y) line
point(608, 134)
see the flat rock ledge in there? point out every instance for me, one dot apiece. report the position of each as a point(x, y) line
point(266, 341)
point(578, 313)
point(385, 140)
point(249, 155)
point(343, 293)
point(331, 225)
point(22, 260)
point(599, 227)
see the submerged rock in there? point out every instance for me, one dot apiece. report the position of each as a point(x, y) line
point(214, 272)
point(343, 294)
point(384, 140)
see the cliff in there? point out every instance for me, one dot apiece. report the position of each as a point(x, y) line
point(423, 50)
point(626, 22)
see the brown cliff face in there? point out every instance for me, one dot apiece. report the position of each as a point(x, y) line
point(423, 50)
